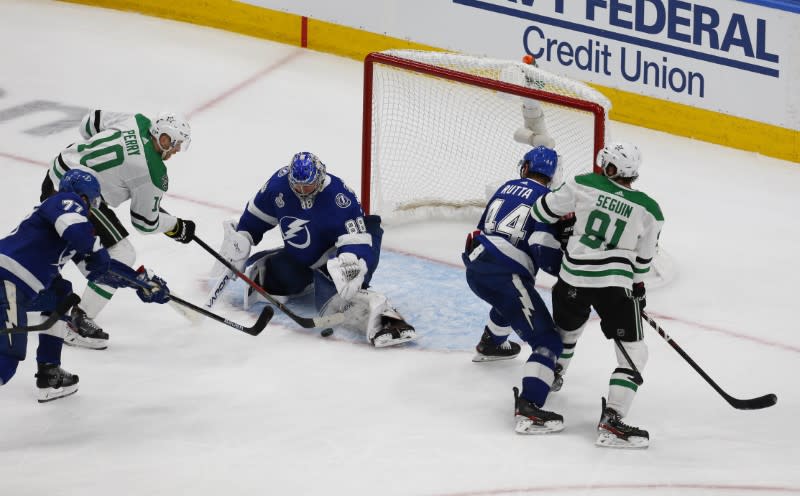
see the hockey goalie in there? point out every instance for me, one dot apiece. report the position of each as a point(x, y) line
point(329, 246)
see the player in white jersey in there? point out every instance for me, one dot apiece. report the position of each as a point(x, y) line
point(126, 153)
point(604, 266)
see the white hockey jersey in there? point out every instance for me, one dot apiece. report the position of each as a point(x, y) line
point(118, 150)
point(616, 231)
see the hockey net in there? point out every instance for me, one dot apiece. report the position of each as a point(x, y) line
point(439, 133)
point(439, 130)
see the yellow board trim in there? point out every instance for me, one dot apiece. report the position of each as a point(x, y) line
point(662, 115)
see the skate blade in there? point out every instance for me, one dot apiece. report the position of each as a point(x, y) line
point(387, 340)
point(49, 394)
point(608, 440)
point(489, 358)
point(78, 341)
point(528, 426)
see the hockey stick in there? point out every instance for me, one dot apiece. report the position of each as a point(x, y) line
point(62, 308)
point(758, 403)
point(216, 290)
point(307, 322)
point(253, 330)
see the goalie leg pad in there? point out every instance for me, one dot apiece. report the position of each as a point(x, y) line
point(370, 313)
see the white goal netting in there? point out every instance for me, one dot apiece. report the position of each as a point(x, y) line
point(439, 129)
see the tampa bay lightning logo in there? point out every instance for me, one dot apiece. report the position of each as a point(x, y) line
point(295, 232)
point(283, 171)
point(279, 202)
point(342, 201)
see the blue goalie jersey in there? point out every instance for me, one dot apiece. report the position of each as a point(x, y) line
point(36, 250)
point(509, 231)
point(333, 225)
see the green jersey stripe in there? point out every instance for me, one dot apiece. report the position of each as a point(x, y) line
point(599, 273)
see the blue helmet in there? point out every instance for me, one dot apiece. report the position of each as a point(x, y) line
point(306, 169)
point(81, 183)
point(541, 160)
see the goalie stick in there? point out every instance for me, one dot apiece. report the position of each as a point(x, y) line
point(61, 310)
point(216, 290)
point(306, 322)
point(758, 403)
point(253, 330)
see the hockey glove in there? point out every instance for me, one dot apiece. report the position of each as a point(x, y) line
point(565, 226)
point(638, 294)
point(348, 272)
point(157, 291)
point(183, 231)
point(98, 262)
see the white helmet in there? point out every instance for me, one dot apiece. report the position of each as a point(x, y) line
point(626, 157)
point(175, 126)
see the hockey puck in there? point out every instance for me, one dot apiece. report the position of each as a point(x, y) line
point(326, 332)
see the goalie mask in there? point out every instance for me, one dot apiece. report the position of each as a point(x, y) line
point(541, 160)
point(306, 177)
point(83, 184)
point(625, 157)
point(176, 127)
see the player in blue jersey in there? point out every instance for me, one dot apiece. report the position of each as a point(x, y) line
point(502, 258)
point(328, 244)
point(31, 258)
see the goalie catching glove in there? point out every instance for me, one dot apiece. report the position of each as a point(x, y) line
point(348, 272)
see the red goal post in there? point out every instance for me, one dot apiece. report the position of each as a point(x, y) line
point(438, 129)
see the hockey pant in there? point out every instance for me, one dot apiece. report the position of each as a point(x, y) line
point(14, 306)
point(620, 319)
point(516, 303)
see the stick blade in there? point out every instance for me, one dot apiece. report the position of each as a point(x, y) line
point(759, 403)
point(261, 323)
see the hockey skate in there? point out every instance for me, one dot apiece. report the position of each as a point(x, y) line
point(53, 382)
point(393, 332)
point(487, 351)
point(82, 331)
point(533, 420)
point(613, 433)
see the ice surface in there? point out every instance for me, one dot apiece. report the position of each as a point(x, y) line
point(174, 409)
